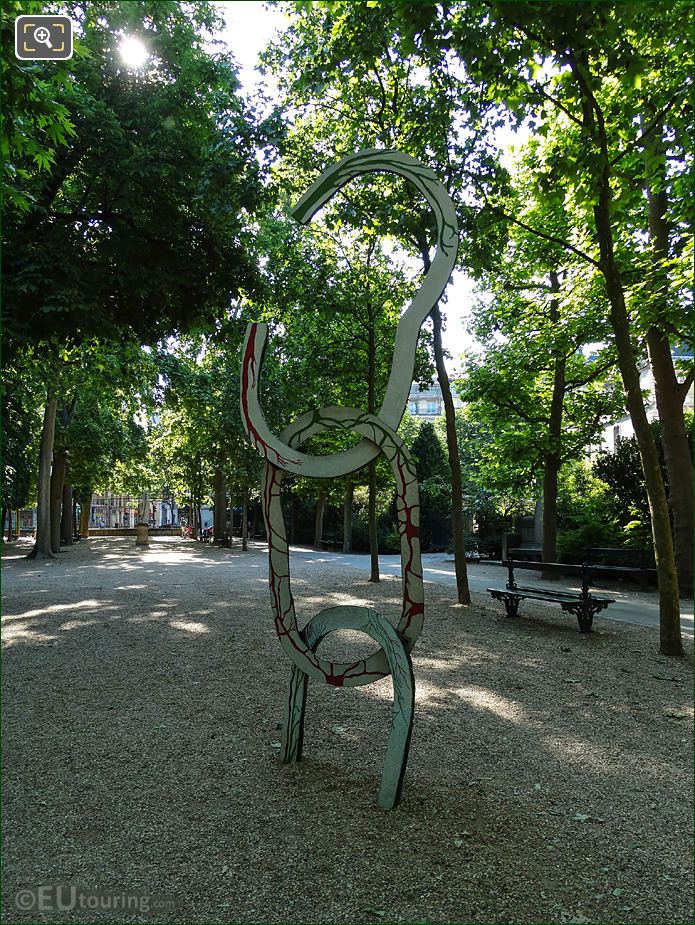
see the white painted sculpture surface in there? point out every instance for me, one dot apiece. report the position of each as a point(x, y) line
point(282, 454)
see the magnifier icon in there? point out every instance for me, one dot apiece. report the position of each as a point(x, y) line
point(43, 35)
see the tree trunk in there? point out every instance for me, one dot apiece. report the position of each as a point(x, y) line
point(457, 522)
point(42, 545)
point(550, 474)
point(347, 515)
point(220, 506)
point(373, 533)
point(85, 504)
point(553, 456)
point(669, 606)
point(194, 517)
point(670, 393)
point(679, 466)
point(671, 642)
point(318, 523)
point(245, 520)
point(60, 458)
point(67, 523)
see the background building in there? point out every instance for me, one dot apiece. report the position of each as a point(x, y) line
point(112, 510)
point(428, 404)
point(621, 428)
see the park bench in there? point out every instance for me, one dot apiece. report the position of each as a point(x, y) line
point(611, 562)
point(583, 605)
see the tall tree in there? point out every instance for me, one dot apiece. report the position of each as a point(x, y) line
point(356, 81)
point(534, 386)
point(668, 236)
point(580, 38)
point(580, 67)
point(127, 209)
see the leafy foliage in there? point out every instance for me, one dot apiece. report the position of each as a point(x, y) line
point(135, 223)
point(434, 482)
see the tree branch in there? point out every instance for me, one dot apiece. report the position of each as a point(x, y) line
point(656, 121)
point(559, 105)
point(594, 374)
point(532, 287)
point(382, 90)
point(542, 234)
point(684, 386)
point(524, 415)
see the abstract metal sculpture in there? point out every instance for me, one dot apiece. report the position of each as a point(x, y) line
point(379, 435)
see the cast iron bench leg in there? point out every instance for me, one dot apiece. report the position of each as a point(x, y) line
point(511, 604)
point(584, 611)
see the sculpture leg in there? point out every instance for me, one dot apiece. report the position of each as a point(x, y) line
point(401, 727)
point(401, 669)
point(295, 703)
point(293, 719)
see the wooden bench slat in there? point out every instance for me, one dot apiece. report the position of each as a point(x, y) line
point(552, 593)
point(539, 592)
point(542, 595)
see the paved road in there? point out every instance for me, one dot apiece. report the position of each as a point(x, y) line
point(631, 605)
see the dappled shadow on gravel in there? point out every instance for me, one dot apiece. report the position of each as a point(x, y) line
point(549, 777)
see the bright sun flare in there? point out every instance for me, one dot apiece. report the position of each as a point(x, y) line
point(133, 53)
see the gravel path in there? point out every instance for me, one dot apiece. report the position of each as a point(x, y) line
point(549, 777)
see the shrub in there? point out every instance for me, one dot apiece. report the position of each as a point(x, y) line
point(571, 544)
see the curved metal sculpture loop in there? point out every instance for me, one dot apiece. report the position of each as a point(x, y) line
point(274, 449)
point(282, 454)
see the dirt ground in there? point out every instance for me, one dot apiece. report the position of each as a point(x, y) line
point(549, 779)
